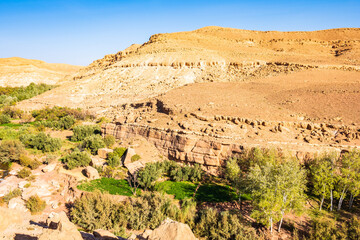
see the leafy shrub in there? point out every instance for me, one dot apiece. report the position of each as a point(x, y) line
point(28, 162)
point(109, 140)
point(13, 112)
point(12, 194)
point(64, 123)
point(353, 227)
point(185, 173)
point(83, 131)
point(24, 173)
point(42, 142)
point(224, 225)
point(113, 159)
point(149, 174)
point(35, 204)
point(4, 118)
point(98, 211)
point(326, 228)
point(77, 159)
point(93, 143)
point(135, 158)
point(10, 151)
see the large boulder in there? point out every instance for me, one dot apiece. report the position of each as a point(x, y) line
point(101, 234)
point(172, 230)
point(91, 173)
point(129, 153)
point(18, 204)
point(103, 152)
point(60, 228)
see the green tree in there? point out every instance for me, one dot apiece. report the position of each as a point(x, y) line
point(93, 143)
point(276, 190)
point(324, 178)
point(234, 175)
point(349, 176)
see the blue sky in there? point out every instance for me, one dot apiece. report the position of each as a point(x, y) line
point(79, 31)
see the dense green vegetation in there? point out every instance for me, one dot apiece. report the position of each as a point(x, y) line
point(83, 131)
point(41, 141)
point(11, 95)
point(107, 185)
point(76, 159)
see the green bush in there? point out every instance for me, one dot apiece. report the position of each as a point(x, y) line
point(77, 159)
point(326, 228)
point(93, 143)
point(113, 159)
point(222, 225)
point(109, 140)
point(4, 118)
point(353, 228)
point(12, 194)
point(135, 158)
point(10, 151)
point(83, 131)
point(98, 211)
point(28, 162)
point(35, 204)
point(24, 173)
point(64, 123)
point(148, 175)
point(13, 112)
point(42, 142)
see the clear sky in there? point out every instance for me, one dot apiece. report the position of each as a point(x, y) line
point(80, 31)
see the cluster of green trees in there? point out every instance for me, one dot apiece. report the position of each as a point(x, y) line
point(335, 178)
point(147, 176)
point(41, 141)
point(56, 113)
point(11, 95)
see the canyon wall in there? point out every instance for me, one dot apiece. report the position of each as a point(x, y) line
point(191, 147)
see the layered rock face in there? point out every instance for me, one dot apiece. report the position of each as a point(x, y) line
point(16, 72)
point(210, 54)
point(208, 150)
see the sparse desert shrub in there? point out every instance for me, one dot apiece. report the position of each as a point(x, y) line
point(93, 143)
point(42, 142)
point(224, 225)
point(4, 118)
point(83, 131)
point(109, 140)
point(135, 158)
point(35, 204)
point(77, 159)
point(12, 194)
point(24, 173)
point(10, 151)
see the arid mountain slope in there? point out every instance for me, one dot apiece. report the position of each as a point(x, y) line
point(210, 54)
point(21, 72)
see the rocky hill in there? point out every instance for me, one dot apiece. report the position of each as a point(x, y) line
point(17, 71)
point(210, 54)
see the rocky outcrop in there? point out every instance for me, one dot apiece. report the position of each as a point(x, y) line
point(60, 228)
point(91, 173)
point(191, 147)
point(172, 230)
point(101, 234)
